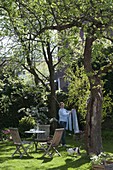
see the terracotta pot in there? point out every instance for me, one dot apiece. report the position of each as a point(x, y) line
point(107, 166)
point(98, 167)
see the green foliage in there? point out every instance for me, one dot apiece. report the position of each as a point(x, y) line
point(102, 49)
point(31, 19)
point(26, 123)
point(107, 134)
point(101, 158)
point(62, 97)
point(78, 89)
point(14, 95)
point(5, 134)
point(38, 113)
point(107, 104)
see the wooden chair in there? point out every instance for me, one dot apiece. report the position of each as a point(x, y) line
point(45, 135)
point(42, 137)
point(54, 143)
point(20, 145)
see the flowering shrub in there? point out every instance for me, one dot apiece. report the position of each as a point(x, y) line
point(6, 134)
point(101, 159)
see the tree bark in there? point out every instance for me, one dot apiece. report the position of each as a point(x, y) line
point(49, 61)
point(93, 119)
point(52, 102)
point(94, 104)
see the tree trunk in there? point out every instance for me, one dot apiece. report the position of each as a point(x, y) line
point(52, 102)
point(94, 105)
point(49, 61)
point(93, 120)
point(52, 105)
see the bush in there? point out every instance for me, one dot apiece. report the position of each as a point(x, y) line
point(39, 114)
point(26, 123)
point(14, 95)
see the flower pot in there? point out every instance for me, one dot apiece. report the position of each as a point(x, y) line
point(98, 167)
point(108, 166)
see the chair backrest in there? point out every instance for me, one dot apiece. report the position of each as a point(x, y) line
point(45, 128)
point(15, 136)
point(57, 136)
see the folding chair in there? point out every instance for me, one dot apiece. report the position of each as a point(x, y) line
point(54, 143)
point(18, 143)
point(42, 137)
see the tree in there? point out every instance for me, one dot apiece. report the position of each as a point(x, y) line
point(33, 46)
point(93, 18)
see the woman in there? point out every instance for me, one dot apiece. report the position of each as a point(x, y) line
point(63, 118)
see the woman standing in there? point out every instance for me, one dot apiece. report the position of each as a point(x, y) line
point(63, 118)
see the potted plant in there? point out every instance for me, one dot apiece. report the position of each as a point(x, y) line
point(103, 161)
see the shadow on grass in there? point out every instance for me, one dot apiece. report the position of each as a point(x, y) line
point(7, 158)
point(45, 159)
point(7, 149)
point(3, 150)
point(72, 163)
point(3, 159)
point(23, 158)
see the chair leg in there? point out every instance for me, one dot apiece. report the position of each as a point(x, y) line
point(36, 144)
point(21, 153)
point(47, 151)
point(43, 147)
point(25, 151)
point(17, 150)
point(56, 151)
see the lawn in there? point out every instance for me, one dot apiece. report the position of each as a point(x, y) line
point(37, 162)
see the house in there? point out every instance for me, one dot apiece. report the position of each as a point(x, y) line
point(61, 83)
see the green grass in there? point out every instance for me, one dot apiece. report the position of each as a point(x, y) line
point(37, 162)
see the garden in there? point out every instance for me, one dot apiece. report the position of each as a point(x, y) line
point(66, 161)
point(52, 52)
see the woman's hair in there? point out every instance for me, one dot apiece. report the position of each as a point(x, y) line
point(61, 103)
